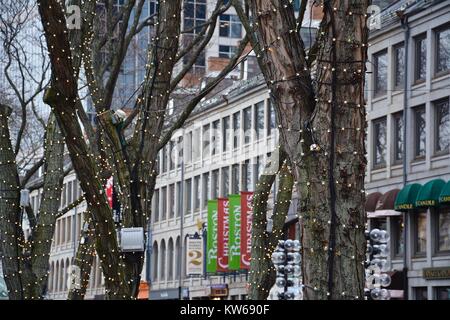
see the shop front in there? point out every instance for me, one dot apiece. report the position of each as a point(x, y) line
point(165, 294)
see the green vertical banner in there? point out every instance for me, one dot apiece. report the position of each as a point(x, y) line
point(211, 245)
point(234, 240)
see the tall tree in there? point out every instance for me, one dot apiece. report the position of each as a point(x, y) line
point(26, 259)
point(131, 161)
point(321, 122)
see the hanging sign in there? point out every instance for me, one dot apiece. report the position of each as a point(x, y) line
point(194, 256)
point(234, 241)
point(246, 228)
point(222, 235)
point(211, 245)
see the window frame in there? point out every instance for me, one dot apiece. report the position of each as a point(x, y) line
point(416, 110)
point(397, 136)
point(437, 104)
point(375, 140)
point(416, 253)
point(399, 46)
point(417, 56)
point(436, 231)
point(437, 31)
point(376, 73)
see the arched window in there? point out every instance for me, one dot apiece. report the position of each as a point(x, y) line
point(56, 278)
point(66, 274)
point(155, 261)
point(61, 277)
point(50, 277)
point(162, 265)
point(178, 258)
point(170, 260)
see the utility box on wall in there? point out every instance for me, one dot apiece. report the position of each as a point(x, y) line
point(132, 239)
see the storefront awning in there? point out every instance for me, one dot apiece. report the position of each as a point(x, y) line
point(371, 201)
point(406, 198)
point(428, 195)
point(444, 197)
point(385, 205)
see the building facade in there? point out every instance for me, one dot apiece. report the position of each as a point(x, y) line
point(408, 92)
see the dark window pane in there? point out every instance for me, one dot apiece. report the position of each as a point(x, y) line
point(420, 293)
point(444, 230)
point(443, 51)
point(420, 134)
point(271, 121)
point(225, 181)
point(215, 184)
point(421, 59)
point(380, 142)
point(206, 147)
point(259, 118)
point(216, 137)
point(206, 188)
point(398, 136)
point(247, 124)
point(443, 293)
point(399, 243)
point(236, 129)
point(399, 66)
point(442, 126)
point(380, 73)
point(235, 182)
point(225, 134)
point(421, 232)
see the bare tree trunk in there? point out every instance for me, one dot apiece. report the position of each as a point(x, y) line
point(43, 234)
point(262, 275)
point(10, 246)
point(328, 162)
point(84, 260)
point(63, 95)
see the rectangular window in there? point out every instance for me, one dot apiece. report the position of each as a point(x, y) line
point(164, 203)
point(247, 124)
point(188, 146)
point(420, 293)
point(442, 293)
point(246, 176)
point(378, 223)
point(420, 233)
point(230, 26)
point(206, 145)
point(443, 228)
point(216, 137)
point(206, 188)
point(398, 239)
point(379, 143)
point(180, 152)
point(215, 184)
point(171, 155)
point(443, 50)
point(420, 134)
point(271, 119)
point(398, 137)
point(225, 134)
point(399, 52)
point(380, 62)
point(69, 192)
point(196, 144)
point(442, 128)
point(236, 129)
point(197, 193)
point(226, 51)
point(188, 193)
point(156, 206)
point(259, 118)
point(171, 201)
point(235, 177)
point(179, 203)
point(420, 70)
point(194, 15)
point(164, 158)
point(225, 181)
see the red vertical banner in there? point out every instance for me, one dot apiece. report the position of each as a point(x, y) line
point(222, 235)
point(109, 191)
point(246, 228)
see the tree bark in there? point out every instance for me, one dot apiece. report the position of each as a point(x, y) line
point(10, 224)
point(84, 260)
point(328, 162)
point(50, 201)
point(63, 95)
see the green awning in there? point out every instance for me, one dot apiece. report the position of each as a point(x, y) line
point(429, 193)
point(444, 197)
point(406, 198)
